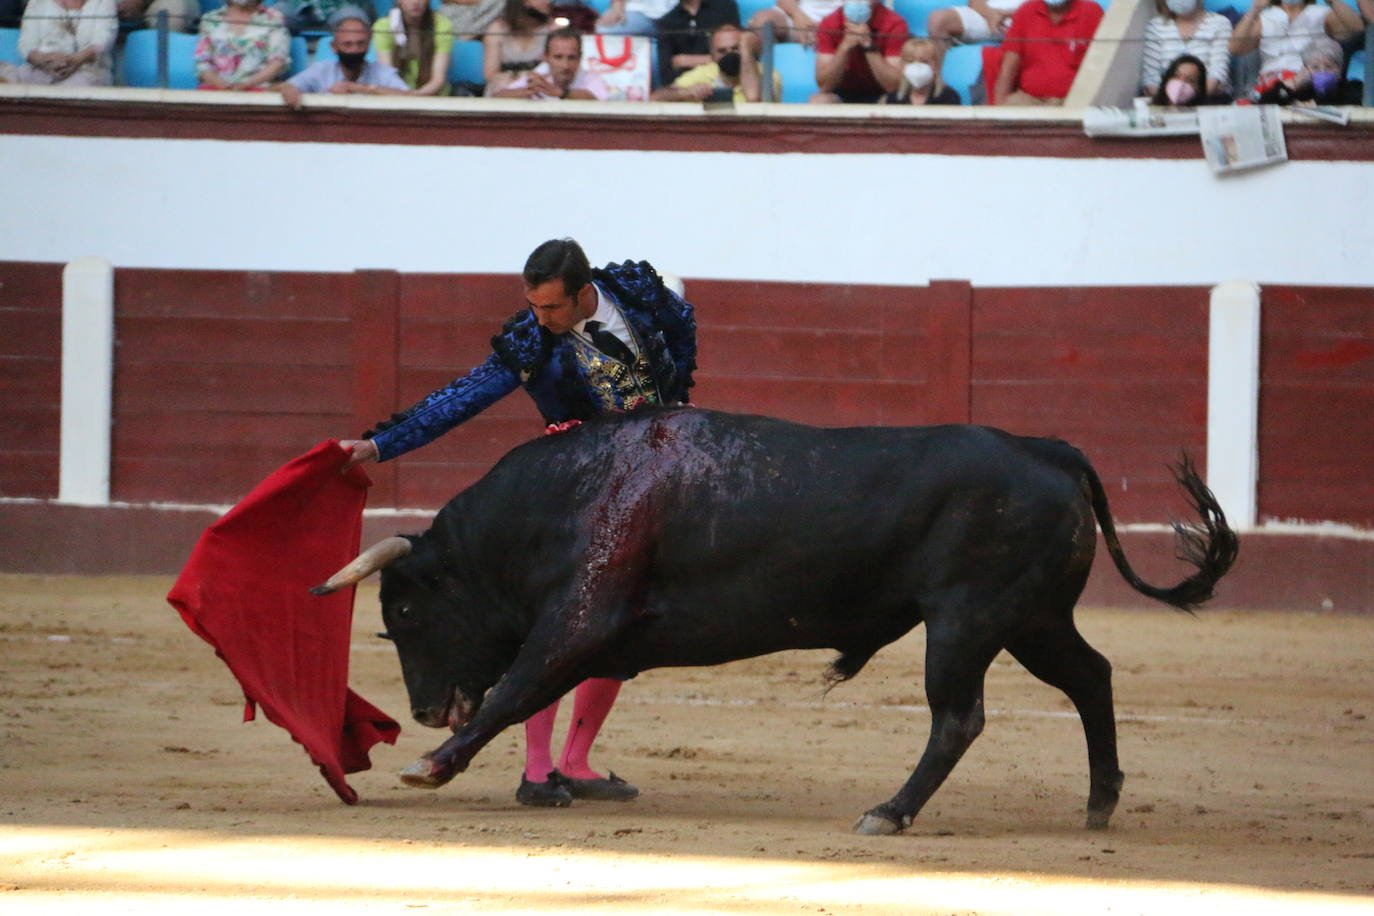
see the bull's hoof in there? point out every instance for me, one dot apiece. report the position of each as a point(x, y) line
point(1097, 820)
point(876, 824)
point(425, 774)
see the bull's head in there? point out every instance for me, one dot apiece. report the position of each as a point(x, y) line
point(447, 659)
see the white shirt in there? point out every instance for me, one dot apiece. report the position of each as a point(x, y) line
point(48, 28)
point(1282, 42)
point(611, 320)
point(585, 79)
point(816, 10)
point(654, 9)
point(1209, 44)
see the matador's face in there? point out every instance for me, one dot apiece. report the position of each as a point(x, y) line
point(556, 308)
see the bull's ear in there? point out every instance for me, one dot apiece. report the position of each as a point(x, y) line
point(366, 563)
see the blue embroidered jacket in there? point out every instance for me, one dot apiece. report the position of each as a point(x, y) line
point(546, 364)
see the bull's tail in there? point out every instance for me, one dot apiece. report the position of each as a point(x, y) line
point(1210, 545)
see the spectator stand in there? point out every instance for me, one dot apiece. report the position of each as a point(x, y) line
point(748, 8)
point(158, 58)
point(162, 59)
point(962, 71)
point(1356, 70)
point(9, 46)
point(1110, 72)
point(916, 12)
point(465, 65)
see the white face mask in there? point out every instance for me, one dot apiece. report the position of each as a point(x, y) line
point(1181, 7)
point(919, 74)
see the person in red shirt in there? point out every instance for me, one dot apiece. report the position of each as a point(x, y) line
point(859, 53)
point(1043, 50)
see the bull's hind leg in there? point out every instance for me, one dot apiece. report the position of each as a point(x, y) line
point(1060, 657)
point(956, 663)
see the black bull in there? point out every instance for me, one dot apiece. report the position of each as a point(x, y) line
point(690, 537)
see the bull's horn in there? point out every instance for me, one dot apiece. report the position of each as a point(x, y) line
point(367, 563)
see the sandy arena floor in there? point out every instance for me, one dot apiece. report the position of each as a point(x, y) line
point(127, 783)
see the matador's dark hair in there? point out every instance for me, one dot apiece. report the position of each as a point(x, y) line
point(561, 259)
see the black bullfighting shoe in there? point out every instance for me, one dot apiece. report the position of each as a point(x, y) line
point(553, 793)
point(612, 788)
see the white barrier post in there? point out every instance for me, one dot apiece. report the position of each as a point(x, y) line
point(87, 381)
point(1233, 400)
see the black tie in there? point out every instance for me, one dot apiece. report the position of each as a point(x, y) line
point(608, 343)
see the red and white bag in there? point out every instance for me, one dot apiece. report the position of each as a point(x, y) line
point(623, 61)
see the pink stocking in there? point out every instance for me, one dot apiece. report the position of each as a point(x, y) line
point(591, 704)
point(538, 735)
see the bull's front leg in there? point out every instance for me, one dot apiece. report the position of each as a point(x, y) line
point(548, 666)
point(606, 597)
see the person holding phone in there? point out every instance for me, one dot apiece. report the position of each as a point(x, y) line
point(731, 76)
point(859, 53)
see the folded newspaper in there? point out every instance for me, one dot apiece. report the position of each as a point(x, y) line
point(1237, 137)
point(1234, 137)
point(1139, 121)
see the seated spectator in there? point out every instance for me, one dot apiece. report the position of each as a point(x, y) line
point(980, 21)
point(66, 43)
point(1321, 80)
point(471, 18)
point(795, 20)
point(859, 53)
point(632, 17)
point(1043, 50)
point(418, 43)
point(684, 34)
point(352, 72)
point(561, 75)
point(1182, 84)
point(1185, 27)
point(243, 45)
point(315, 15)
point(732, 75)
point(1281, 30)
point(514, 43)
point(142, 14)
point(921, 83)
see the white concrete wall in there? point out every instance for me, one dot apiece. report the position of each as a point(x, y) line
point(899, 219)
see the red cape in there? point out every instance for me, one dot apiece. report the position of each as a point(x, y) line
point(245, 592)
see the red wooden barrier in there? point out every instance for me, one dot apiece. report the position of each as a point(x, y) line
point(222, 375)
point(30, 378)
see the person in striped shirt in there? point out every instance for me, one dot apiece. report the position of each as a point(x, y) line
point(1186, 27)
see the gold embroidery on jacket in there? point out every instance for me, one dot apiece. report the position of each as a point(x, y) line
point(614, 385)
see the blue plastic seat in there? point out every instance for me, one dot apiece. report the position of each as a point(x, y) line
point(599, 5)
point(916, 12)
point(138, 64)
point(9, 46)
point(300, 56)
point(748, 8)
point(963, 67)
point(465, 66)
point(796, 66)
point(1355, 71)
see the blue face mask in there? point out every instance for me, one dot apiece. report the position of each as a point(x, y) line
point(857, 11)
point(1324, 81)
